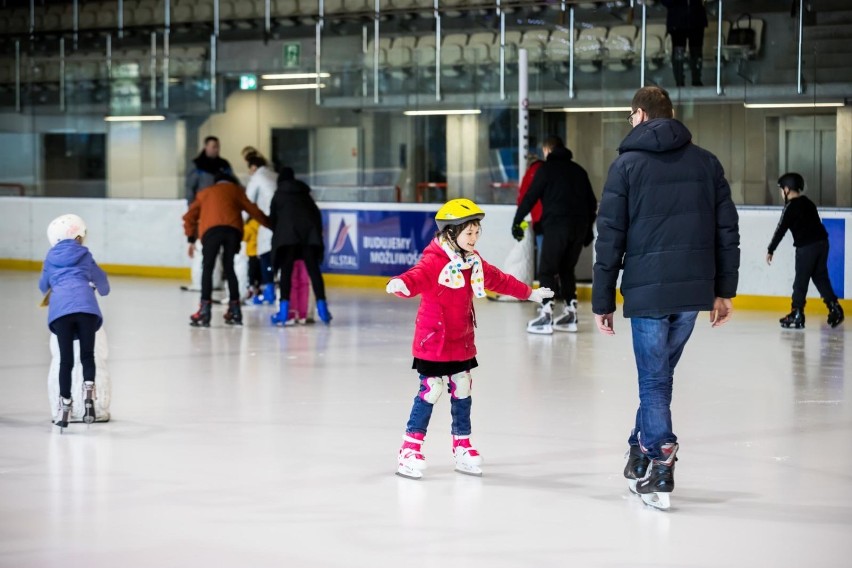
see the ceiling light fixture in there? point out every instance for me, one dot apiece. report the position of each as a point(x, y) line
point(440, 112)
point(146, 118)
point(283, 76)
point(296, 87)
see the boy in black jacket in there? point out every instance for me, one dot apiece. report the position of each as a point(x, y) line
point(810, 238)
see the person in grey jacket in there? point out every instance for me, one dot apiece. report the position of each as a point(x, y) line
point(667, 220)
point(69, 279)
point(202, 171)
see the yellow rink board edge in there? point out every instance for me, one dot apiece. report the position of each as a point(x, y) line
point(584, 291)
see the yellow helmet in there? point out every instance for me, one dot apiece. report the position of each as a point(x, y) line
point(456, 212)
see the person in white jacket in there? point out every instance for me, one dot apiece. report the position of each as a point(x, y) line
point(260, 189)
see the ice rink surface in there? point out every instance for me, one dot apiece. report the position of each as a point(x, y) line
point(257, 446)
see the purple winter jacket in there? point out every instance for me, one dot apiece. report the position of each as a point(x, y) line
point(72, 275)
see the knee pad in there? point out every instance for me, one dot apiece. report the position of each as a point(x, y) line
point(431, 389)
point(460, 385)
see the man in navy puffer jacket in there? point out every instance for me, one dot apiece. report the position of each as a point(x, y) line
point(667, 220)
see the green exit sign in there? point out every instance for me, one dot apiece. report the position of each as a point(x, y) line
point(292, 54)
point(248, 82)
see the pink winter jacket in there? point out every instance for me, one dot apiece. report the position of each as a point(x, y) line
point(443, 330)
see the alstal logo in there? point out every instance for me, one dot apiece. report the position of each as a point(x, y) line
point(343, 244)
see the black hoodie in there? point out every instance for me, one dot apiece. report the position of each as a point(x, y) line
point(667, 219)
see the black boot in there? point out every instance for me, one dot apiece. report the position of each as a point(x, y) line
point(835, 314)
point(201, 318)
point(678, 58)
point(637, 465)
point(660, 475)
point(234, 315)
point(795, 319)
point(695, 64)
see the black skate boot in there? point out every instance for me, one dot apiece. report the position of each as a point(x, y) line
point(65, 407)
point(795, 319)
point(658, 482)
point(89, 401)
point(234, 315)
point(201, 318)
point(637, 465)
point(835, 314)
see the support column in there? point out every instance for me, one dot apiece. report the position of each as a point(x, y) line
point(844, 157)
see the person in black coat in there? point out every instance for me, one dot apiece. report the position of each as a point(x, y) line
point(685, 22)
point(668, 221)
point(810, 238)
point(568, 211)
point(296, 234)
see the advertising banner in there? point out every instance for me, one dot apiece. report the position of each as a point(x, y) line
point(375, 243)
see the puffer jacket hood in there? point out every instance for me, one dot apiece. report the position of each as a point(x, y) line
point(66, 253)
point(657, 135)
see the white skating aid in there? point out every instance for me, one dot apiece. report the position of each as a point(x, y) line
point(103, 385)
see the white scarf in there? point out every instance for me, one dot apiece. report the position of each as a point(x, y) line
point(451, 276)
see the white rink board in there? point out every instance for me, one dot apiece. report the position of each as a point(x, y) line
point(149, 232)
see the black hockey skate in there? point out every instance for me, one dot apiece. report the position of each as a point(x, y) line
point(637, 465)
point(201, 318)
point(65, 407)
point(835, 314)
point(795, 319)
point(234, 315)
point(89, 401)
point(658, 483)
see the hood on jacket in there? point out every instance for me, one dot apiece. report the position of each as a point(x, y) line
point(292, 185)
point(211, 165)
point(560, 153)
point(657, 135)
point(66, 253)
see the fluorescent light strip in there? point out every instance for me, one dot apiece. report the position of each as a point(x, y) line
point(148, 118)
point(590, 109)
point(440, 112)
point(297, 87)
point(295, 76)
point(792, 105)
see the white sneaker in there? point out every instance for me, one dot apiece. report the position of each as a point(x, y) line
point(543, 324)
point(568, 320)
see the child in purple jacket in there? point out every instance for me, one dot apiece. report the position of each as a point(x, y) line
point(71, 276)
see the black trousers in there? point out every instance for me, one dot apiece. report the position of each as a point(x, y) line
point(695, 39)
point(560, 251)
point(67, 329)
point(254, 271)
point(227, 239)
point(286, 255)
point(812, 264)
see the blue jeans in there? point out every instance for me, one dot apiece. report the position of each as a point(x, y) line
point(421, 411)
point(657, 345)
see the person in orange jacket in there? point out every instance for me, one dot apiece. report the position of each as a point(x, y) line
point(215, 217)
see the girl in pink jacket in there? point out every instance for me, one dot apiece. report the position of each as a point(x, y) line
point(448, 276)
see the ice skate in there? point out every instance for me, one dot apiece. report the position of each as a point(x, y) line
point(65, 407)
point(411, 459)
point(795, 319)
point(467, 458)
point(201, 318)
point(543, 324)
point(322, 312)
point(89, 397)
point(637, 466)
point(656, 487)
point(282, 318)
point(835, 314)
point(234, 315)
point(568, 320)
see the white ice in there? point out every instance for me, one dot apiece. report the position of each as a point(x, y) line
point(261, 446)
